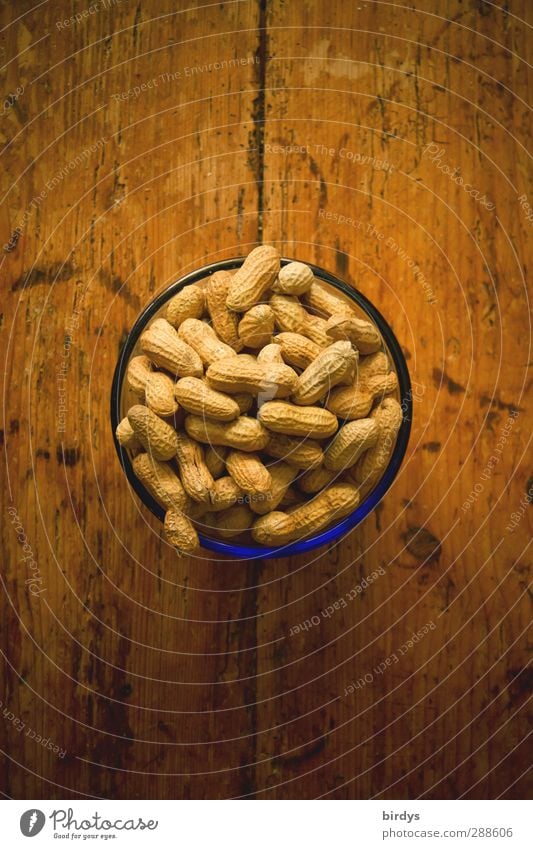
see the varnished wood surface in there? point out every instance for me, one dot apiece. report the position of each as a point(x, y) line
point(157, 677)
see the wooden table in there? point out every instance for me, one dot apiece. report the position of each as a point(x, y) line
point(389, 145)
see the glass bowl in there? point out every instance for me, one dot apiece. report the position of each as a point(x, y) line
point(122, 399)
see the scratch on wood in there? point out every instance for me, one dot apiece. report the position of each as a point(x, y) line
point(422, 544)
point(257, 157)
point(117, 286)
point(308, 752)
point(486, 400)
point(440, 377)
point(248, 669)
point(317, 174)
point(136, 24)
point(67, 456)
point(54, 273)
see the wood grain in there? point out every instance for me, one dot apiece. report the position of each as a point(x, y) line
point(318, 128)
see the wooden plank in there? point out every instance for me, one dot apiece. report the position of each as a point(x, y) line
point(354, 101)
point(127, 640)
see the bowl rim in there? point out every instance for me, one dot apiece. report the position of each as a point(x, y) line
point(330, 534)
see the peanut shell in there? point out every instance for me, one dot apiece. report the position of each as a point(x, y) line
point(196, 396)
point(225, 321)
point(158, 438)
point(321, 300)
point(295, 278)
point(180, 532)
point(363, 334)
point(244, 374)
point(373, 463)
point(215, 460)
point(282, 417)
point(195, 476)
point(333, 365)
point(289, 314)
point(161, 343)
point(351, 440)
point(188, 303)
point(300, 453)
point(257, 326)
point(203, 339)
point(243, 433)
point(126, 435)
point(296, 349)
point(281, 477)
point(249, 473)
point(138, 371)
point(161, 481)
point(253, 278)
point(225, 493)
point(159, 394)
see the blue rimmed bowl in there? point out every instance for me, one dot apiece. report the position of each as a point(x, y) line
point(120, 402)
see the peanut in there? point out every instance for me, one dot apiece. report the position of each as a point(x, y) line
point(242, 373)
point(197, 397)
point(249, 473)
point(230, 523)
point(350, 442)
point(157, 437)
point(159, 394)
point(180, 532)
point(203, 339)
point(373, 463)
point(270, 354)
point(162, 344)
point(381, 384)
point(161, 481)
point(243, 434)
point(197, 510)
point(138, 372)
point(316, 479)
point(288, 313)
point(225, 321)
point(323, 301)
point(188, 303)
point(297, 350)
point(315, 329)
point(333, 365)
point(275, 528)
point(215, 460)
point(244, 401)
point(282, 417)
point(126, 435)
point(302, 454)
point(373, 380)
point(195, 476)
point(224, 493)
point(281, 475)
point(257, 326)
point(350, 402)
point(253, 278)
point(333, 503)
point(295, 278)
point(292, 498)
point(372, 365)
point(330, 505)
point(363, 334)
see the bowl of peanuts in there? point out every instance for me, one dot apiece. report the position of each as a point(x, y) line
point(260, 407)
